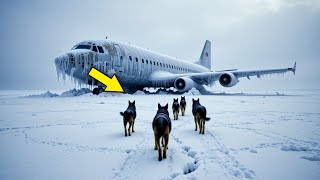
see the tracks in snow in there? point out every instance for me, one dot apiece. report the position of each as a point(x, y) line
point(219, 153)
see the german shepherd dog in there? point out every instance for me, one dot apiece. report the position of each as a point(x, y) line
point(129, 116)
point(183, 105)
point(199, 112)
point(161, 127)
point(175, 108)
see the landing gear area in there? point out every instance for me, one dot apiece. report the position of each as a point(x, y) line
point(97, 90)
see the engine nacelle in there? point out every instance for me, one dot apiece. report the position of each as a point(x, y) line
point(183, 84)
point(228, 80)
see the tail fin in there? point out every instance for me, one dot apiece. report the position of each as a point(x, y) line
point(205, 58)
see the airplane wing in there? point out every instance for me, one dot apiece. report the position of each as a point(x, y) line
point(211, 76)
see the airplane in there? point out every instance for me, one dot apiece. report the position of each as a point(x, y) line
point(137, 68)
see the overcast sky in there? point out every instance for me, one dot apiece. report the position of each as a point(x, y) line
point(245, 34)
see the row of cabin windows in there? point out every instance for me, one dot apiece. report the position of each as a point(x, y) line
point(161, 65)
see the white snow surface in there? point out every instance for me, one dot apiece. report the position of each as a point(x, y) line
point(77, 135)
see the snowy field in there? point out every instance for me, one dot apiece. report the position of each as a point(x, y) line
point(254, 135)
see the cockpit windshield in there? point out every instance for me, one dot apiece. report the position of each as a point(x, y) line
point(92, 47)
point(82, 47)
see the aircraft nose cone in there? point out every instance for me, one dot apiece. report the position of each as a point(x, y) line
point(61, 62)
point(61, 59)
point(57, 60)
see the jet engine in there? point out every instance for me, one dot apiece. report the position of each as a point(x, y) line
point(183, 84)
point(228, 80)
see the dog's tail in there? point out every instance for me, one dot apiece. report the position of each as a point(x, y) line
point(126, 114)
point(206, 118)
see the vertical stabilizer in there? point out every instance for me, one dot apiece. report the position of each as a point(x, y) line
point(205, 58)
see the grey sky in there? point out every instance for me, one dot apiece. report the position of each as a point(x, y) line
point(245, 34)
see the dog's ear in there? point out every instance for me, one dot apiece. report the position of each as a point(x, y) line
point(192, 100)
point(166, 106)
point(159, 106)
point(134, 102)
point(121, 113)
point(198, 100)
point(129, 102)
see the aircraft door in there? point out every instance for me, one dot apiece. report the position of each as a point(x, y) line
point(118, 60)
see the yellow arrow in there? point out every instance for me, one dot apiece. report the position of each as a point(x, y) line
point(112, 84)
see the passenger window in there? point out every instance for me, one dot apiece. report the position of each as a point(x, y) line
point(94, 48)
point(130, 58)
point(160, 64)
point(136, 59)
point(157, 63)
point(146, 61)
point(100, 49)
point(121, 57)
point(142, 60)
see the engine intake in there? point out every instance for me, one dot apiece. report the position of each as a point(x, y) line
point(183, 84)
point(228, 80)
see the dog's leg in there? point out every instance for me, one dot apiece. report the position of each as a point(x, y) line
point(125, 124)
point(163, 142)
point(203, 125)
point(195, 122)
point(200, 125)
point(159, 148)
point(133, 125)
point(174, 116)
point(155, 139)
point(199, 122)
point(166, 140)
point(130, 124)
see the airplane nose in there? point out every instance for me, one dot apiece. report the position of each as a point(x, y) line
point(57, 61)
point(62, 61)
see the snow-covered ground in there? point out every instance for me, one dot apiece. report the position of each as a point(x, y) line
point(257, 135)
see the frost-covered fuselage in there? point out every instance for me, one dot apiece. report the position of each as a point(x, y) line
point(132, 65)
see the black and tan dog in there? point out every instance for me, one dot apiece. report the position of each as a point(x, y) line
point(129, 116)
point(183, 105)
point(161, 127)
point(199, 112)
point(175, 108)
